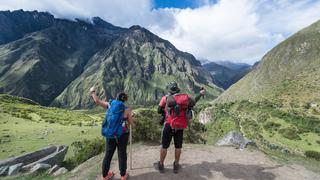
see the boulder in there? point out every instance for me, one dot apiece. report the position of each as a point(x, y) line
point(273, 146)
point(50, 155)
point(60, 171)
point(53, 169)
point(14, 169)
point(285, 151)
point(40, 167)
point(205, 116)
point(234, 138)
point(4, 170)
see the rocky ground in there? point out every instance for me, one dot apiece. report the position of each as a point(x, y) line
point(200, 163)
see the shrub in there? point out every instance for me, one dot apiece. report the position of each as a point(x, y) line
point(194, 133)
point(263, 117)
point(307, 106)
point(79, 124)
point(290, 133)
point(146, 126)
point(271, 125)
point(217, 129)
point(202, 106)
point(51, 121)
point(84, 150)
point(313, 154)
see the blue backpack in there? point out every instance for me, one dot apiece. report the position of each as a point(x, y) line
point(112, 124)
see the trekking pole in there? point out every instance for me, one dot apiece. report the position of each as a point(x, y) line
point(130, 147)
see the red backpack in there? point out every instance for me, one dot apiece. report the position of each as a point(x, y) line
point(176, 109)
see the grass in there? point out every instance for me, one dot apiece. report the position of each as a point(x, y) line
point(30, 177)
point(20, 136)
point(27, 109)
point(263, 122)
point(289, 159)
point(27, 126)
point(267, 124)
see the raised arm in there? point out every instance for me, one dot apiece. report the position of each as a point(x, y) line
point(201, 94)
point(97, 100)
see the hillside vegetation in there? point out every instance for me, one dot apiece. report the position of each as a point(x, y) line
point(27, 126)
point(288, 74)
point(278, 103)
point(268, 125)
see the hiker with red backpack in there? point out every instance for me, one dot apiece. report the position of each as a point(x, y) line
point(176, 109)
point(115, 130)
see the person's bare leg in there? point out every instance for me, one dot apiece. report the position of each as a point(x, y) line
point(163, 154)
point(177, 154)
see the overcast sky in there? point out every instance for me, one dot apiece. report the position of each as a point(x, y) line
point(235, 30)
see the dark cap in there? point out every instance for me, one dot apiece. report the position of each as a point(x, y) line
point(173, 88)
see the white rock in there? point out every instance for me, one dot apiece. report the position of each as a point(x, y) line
point(313, 105)
point(14, 169)
point(234, 138)
point(39, 167)
point(205, 116)
point(4, 170)
point(53, 169)
point(60, 171)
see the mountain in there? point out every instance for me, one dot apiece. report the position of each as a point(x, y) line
point(55, 61)
point(233, 65)
point(277, 104)
point(42, 63)
point(288, 74)
point(141, 64)
point(226, 73)
point(14, 25)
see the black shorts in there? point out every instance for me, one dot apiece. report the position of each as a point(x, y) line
point(168, 133)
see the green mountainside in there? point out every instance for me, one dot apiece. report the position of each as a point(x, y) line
point(141, 64)
point(57, 61)
point(288, 74)
point(277, 104)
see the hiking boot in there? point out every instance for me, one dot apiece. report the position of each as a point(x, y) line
point(109, 176)
point(125, 176)
point(159, 167)
point(176, 167)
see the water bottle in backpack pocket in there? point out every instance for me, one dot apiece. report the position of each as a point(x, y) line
point(189, 115)
point(112, 124)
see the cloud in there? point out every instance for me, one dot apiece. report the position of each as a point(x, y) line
point(236, 30)
point(239, 30)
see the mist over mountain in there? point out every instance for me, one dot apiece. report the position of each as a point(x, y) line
point(55, 61)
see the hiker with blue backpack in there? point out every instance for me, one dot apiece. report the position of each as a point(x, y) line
point(176, 110)
point(115, 129)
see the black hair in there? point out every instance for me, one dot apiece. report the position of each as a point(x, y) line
point(122, 97)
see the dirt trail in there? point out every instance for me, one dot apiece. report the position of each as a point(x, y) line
point(208, 162)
